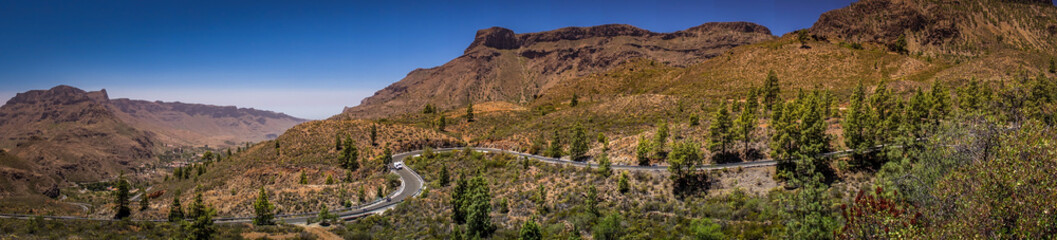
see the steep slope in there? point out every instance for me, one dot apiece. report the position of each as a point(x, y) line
point(197, 124)
point(503, 66)
point(67, 134)
point(964, 28)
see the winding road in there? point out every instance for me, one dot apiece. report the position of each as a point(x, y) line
point(412, 185)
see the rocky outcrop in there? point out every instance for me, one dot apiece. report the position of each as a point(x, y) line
point(502, 65)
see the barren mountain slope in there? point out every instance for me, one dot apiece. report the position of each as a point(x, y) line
point(67, 135)
point(503, 66)
point(198, 124)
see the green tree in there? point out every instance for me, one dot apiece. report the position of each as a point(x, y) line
point(176, 212)
point(428, 109)
point(337, 142)
point(660, 139)
point(609, 228)
point(622, 184)
point(856, 125)
point(143, 199)
point(530, 230)
point(350, 155)
point(900, 45)
point(277, 150)
point(746, 122)
point(121, 198)
point(387, 155)
point(694, 119)
point(264, 210)
point(325, 217)
point(202, 226)
point(374, 134)
point(605, 167)
point(303, 179)
point(469, 112)
point(604, 141)
point(444, 178)
point(441, 123)
point(330, 180)
point(198, 207)
point(555, 149)
point(642, 151)
point(574, 101)
point(808, 212)
point(940, 102)
point(683, 162)
point(720, 135)
point(591, 201)
point(458, 197)
point(479, 205)
point(578, 145)
point(771, 90)
point(705, 229)
point(1053, 65)
point(379, 192)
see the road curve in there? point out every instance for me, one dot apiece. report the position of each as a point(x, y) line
point(412, 185)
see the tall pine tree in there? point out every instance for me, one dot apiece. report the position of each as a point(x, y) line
point(720, 132)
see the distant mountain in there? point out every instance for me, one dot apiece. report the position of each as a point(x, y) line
point(66, 134)
point(198, 124)
point(500, 65)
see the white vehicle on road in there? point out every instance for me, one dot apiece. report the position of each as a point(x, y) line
point(398, 166)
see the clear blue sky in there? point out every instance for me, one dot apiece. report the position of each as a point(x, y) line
point(306, 58)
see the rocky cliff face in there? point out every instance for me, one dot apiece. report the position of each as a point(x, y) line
point(502, 65)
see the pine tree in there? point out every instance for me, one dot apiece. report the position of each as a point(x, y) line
point(201, 227)
point(622, 184)
point(143, 199)
point(176, 212)
point(198, 207)
point(604, 141)
point(661, 139)
point(337, 142)
point(121, 198)
point(387, 155)
point(746, 122)
point(374, 134)
point(855, 125)
point(330, 179)
point(350, 155)
point(683, 162)
point(555, 149)
point(444, 178)
point(479, 206)
point(441, 123)
point(1053, 65)
point(277, 151)
point(591, 201)
point(642, 151)
point(458, 196)
point(605, 167)
point(720, 136)
point(771, 90)
point(530, 230)
point(694, 120)
point(303, 179)
point(940, 102)
point(575, 100)
point(578, 145)
point(469, 112)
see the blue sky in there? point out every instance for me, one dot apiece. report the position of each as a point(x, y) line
point(305, 58)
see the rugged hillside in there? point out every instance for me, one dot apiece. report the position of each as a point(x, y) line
point(197, 124)
point(964, 28)
point(64, 135)
point(67, 134)
point(503, 66)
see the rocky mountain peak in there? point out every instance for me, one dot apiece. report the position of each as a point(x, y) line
point(494, 37)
